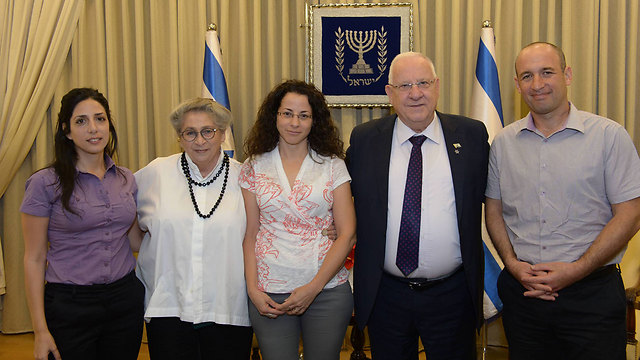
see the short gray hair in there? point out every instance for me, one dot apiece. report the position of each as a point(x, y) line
point(219, 114)
point(407, 55)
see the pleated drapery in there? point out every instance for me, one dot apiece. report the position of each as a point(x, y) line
point(35, 41)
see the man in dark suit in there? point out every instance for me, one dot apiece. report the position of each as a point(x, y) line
point(418, 181)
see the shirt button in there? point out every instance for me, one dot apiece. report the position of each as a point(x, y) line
point(107, 206)
point(544, 248)
point(106, 264)
point(544, 221)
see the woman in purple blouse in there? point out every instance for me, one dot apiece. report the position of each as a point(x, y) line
point(75, 217)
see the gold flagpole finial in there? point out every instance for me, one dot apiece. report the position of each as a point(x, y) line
point(486, 24)
point(212, 27)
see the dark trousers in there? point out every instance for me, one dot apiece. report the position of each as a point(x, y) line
point(96, 321)
point(173, 339)
point(586, 321)
point(442, 316)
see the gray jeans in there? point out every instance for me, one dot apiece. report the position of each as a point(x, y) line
point(323, 326)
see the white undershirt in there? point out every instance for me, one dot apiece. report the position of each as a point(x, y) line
point(439, 237)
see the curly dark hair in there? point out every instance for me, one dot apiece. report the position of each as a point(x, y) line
point(64, 162)
point(323, 137)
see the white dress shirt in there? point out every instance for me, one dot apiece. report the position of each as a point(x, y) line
point(439, 250)
point(192, 268)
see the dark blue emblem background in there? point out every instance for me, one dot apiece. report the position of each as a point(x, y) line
point(332, 82)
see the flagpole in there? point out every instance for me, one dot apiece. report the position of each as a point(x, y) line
point(214, 84)
point(486, 106)
point(307, 30)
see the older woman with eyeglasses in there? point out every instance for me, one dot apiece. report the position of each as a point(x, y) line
point(191, 210)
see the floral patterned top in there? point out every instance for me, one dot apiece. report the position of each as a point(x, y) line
point(290, 247)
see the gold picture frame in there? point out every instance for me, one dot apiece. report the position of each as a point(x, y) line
point(351, 47)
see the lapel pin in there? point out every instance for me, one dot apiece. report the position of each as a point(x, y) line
point(457, 146)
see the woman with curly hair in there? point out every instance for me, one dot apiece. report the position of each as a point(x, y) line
point(295, 184)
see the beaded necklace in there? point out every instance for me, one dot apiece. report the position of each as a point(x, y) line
point(191, 182)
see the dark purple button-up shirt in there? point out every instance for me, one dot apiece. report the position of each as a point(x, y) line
point(91, 247)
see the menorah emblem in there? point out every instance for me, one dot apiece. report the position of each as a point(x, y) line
point(361, 42)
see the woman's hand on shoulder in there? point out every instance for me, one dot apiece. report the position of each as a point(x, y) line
point(43, 345)
point(300, 299)
point(265, 304)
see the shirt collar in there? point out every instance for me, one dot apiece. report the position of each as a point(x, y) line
point(108, 164)
point(574, 121)
point(195, 171)
point(433, 132)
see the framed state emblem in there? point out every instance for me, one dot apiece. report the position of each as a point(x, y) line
point(351, 47)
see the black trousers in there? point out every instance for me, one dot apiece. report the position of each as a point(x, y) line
point(586, 321)
point(442, 316)
point(96, 321)
point(173, 339)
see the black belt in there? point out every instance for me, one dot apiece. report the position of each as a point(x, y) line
point(419, 284)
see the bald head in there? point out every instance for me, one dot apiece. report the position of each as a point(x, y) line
point(541, 44)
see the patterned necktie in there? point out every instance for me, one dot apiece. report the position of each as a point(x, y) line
point(409, 239)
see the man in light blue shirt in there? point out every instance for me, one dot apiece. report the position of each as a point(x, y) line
point(563, 200)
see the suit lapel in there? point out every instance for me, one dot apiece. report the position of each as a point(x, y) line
point(382, 152)
point(454, 140)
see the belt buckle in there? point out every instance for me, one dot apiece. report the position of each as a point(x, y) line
point(415, 286)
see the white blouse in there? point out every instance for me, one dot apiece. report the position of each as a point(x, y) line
point(290, 247)
point(192, 268)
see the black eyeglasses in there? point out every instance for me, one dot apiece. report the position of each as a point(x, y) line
point(190, 135)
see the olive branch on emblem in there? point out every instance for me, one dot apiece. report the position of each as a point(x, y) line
point(382, 51)
point(340, 51)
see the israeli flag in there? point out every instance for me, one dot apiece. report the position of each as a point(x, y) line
point(214, 85)
point(487, 107)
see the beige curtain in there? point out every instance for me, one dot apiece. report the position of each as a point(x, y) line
point(35, 41)
point(146, 56)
